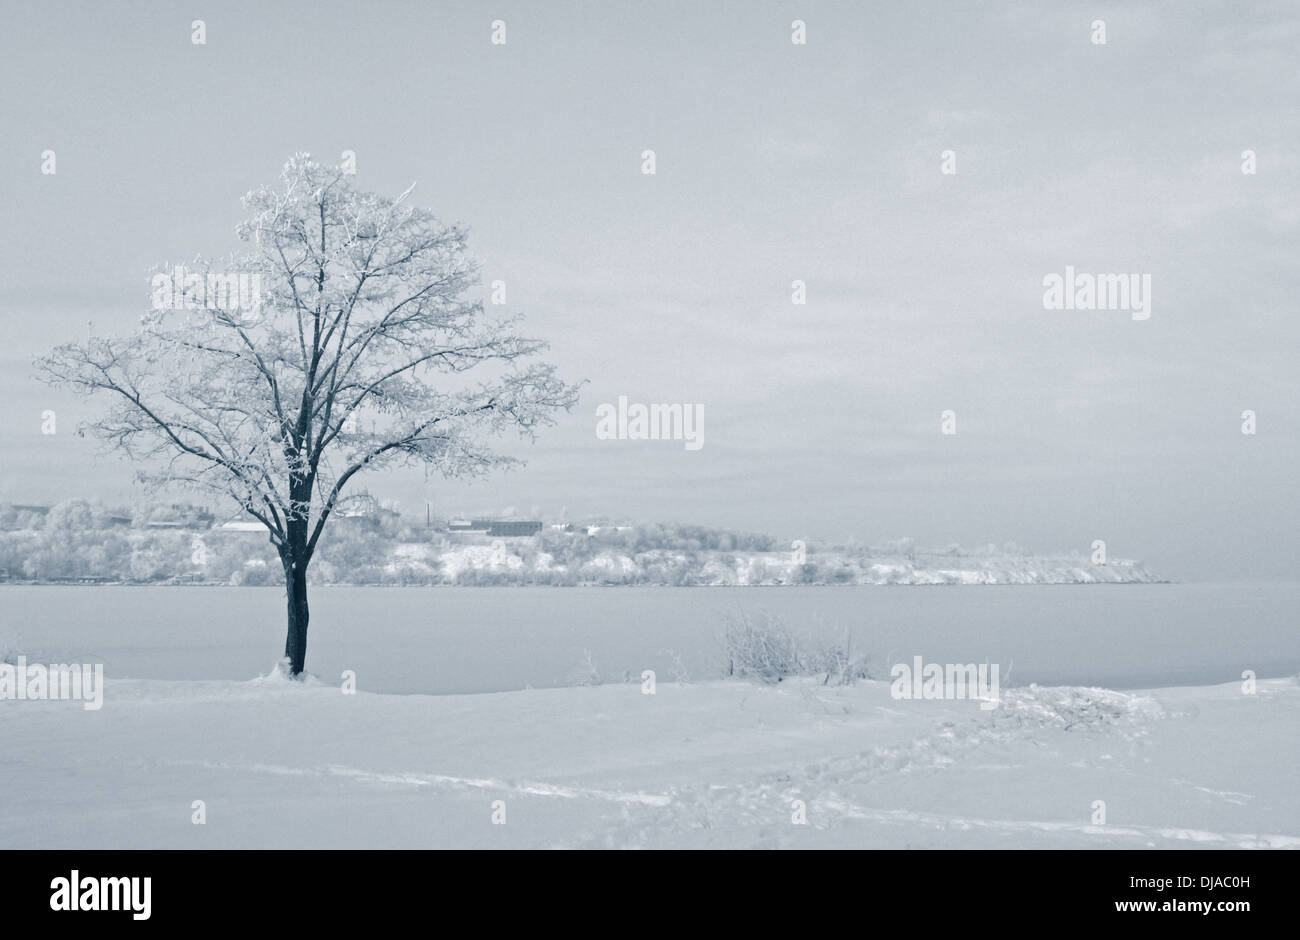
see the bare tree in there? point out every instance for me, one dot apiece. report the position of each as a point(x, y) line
point(349, 362)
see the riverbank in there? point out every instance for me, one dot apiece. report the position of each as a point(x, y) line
point(276, 764)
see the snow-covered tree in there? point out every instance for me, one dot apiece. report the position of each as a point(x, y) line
point(363, 350)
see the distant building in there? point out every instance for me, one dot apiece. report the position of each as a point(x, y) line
point(241, 526)
point(513, 529)
point(466, 525)
point(175, 516)
point(495, 528)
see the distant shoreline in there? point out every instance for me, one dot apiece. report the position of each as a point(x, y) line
point(647, 584)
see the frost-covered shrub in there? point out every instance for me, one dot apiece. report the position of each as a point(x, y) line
point(586, 672)
point(10, 648)
point(761, 646)
point(1072, 708)
point(256, 573)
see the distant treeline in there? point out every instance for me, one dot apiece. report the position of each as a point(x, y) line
point(80, 541)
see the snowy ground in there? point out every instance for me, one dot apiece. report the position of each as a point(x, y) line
point(715, 764)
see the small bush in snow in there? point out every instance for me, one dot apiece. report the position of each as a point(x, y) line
point(761, 646)
point(586, 672)
point(1073, 708)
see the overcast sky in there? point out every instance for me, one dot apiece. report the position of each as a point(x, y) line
point(775, 162)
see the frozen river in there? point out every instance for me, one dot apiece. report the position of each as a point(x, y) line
point(405, 640)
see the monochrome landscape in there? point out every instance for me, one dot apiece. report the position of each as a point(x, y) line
point(650, 426)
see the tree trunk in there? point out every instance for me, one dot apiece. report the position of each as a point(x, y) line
point(295, 643)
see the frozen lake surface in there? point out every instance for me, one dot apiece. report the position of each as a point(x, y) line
point(438, 640)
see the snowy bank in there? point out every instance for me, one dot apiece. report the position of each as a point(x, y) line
point(718, 764)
